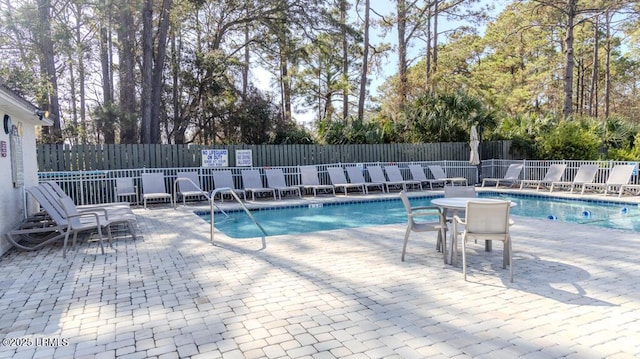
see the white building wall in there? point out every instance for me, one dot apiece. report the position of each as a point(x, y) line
point(12, 200)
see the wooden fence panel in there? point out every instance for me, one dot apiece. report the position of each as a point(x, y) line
point(114, 157)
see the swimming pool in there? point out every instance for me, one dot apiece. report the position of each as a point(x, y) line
point(322, 217)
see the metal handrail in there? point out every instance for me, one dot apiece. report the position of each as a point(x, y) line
point(204, 193)
point(235, 196)
point(175, 191)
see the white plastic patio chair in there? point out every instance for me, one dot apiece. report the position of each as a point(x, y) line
point(394, 175)
point(125, 187)
point(339, 180)
point(459, 191)
point(252, 183)
point(586, 174)
point(187, 184)
point(441, 177)
point(276, 180)
point(486, 221)
point(310, 180)
point(377, 175)
point(512, 175)
point(554, 174)
point(356, 176)
point(421, 226)
point(417, 173)
point(224, 179)
point(153, 187)
point(620, 175)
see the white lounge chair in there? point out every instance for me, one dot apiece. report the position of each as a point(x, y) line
point(417, 173)
point(377, 175)
point(421, 226)
point(512, 175)
point(252, 182)
point(70, 220)
point(441, 177)
point(486, 221)
point(187, 184)
point(633, 189)
point(394, 175)
point(39, 230)
point(554, 174)
point(310, 180)
point(53, 191)
point(153, 187)
point(118, 212)
point(224, 179)
point(356, 176)
point(125, 187)
point(276, 180)
point(339, 180)
point(620, 175)
point(585, 174)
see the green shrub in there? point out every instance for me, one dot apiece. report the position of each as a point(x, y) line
point(570, 140)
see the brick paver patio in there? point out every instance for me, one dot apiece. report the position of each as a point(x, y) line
point(334, 294)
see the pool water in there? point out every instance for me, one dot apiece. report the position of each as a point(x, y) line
point(313, 218)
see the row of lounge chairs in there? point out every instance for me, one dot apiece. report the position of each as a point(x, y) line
point(618, 180)
point(352, 178)
point(187, 184)
point(61, 218)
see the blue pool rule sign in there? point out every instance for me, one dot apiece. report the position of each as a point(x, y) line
point(215, 158)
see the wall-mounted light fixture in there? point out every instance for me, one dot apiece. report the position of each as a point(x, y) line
point(42, 114)
point(7, 124)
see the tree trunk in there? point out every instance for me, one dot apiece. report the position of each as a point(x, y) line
point(607, 65)
point(593, 91)
point(105, 65)
point(285, 77)
point(569, 60)
point(247, 57)
point(128, 104)
point(427, 77)
point(402, 51)
point(245, 67)
point(434, 66)
point(48, 68)
point(158, 68)
point(345, 58)
point(286, 87)
point(178, 126)
point(579, 67)
point(107, 93)
point(147, 71)
point(365, 62)
point(74, 105)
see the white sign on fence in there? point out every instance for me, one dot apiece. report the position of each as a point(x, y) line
point(244, 158)
point(215, 158)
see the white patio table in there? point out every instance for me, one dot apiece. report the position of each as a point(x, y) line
point(460, 203)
